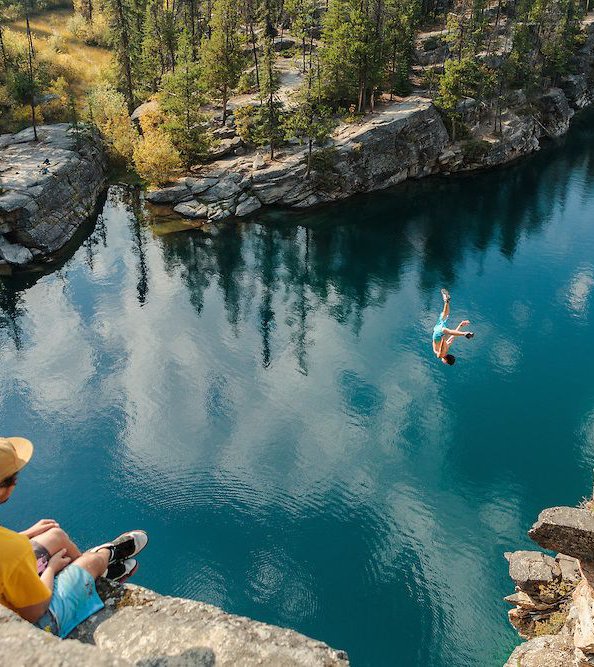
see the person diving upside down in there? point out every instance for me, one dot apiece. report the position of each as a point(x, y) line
point(444, 337)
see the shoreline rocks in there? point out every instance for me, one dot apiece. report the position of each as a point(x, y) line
point(48, 189)
point(553, 605)
point(140, 627)
point(400, 141)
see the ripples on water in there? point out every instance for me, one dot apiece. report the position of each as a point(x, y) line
point(265, 402)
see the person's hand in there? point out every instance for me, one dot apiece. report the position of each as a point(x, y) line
point(41, 527)
point(59, 561)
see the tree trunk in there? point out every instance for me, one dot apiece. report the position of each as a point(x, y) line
point(125, 56)
point(309, 149)
point(30, 55)
point(3, 50)
point(303, 45)
point(225, 91)
point(255, 53)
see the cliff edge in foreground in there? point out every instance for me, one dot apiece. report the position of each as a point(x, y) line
point(139, 627)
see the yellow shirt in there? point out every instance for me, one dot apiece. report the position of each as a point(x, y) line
point(20, 585)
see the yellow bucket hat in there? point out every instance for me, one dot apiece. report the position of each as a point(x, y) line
point(15, 453)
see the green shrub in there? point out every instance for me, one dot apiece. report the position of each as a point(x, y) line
point(475, 149)
point(552, 625)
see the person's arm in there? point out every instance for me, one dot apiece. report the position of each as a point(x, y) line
point(57, 563)
point(40, 527)
point(457, 332)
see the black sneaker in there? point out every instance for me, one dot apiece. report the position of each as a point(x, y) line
point(469, 335)
point(121, 570)
point(125, 546)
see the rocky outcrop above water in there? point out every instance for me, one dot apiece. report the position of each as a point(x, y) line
point(554, 597)
point(48, 189)
point(139, 627)
point(399, 140)
point(403, 141)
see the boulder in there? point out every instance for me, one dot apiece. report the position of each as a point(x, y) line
point(523, 600)
point(532, 570)
point(192, 209)
point(259, 162)
point(172, 195)
point(199, 185)
point(555, 112)
point(49, 189)
point(148, 629)
point(247, 206)
point(224, 147)
point(546, 651)
point(577, 91)
point(13, 253)
point(569, 530)
point(224, 189)
point(152, 106)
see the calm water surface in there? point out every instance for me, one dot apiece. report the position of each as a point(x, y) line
point(267, 405)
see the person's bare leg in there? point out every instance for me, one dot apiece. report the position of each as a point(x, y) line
point(95, 563)
point(446, 306)
point(54, 540)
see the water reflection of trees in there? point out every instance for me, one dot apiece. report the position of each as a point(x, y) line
point(306, 262)
point(348, 257)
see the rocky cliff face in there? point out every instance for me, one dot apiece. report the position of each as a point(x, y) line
point(554, 598)
point(48, 189)
point(139, 627)
point(399, 141)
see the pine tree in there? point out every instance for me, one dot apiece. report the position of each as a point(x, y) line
point(301, 13)
point(351, 63)
point(271, 128)
point(180, 100)
point(124, 45)
point(153, 56)
point(221, 57)
point(250, 11)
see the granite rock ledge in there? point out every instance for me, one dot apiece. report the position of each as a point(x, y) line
point(48, 189)
point(553, 604)
point(140, 628)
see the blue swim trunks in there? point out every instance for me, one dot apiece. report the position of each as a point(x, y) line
point(438, 328)
point(74, 599)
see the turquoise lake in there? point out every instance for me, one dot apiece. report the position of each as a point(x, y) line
point(266, 403)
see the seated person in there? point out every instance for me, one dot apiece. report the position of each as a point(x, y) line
point(44, 577)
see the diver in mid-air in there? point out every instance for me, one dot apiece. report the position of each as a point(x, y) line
point(444, 337)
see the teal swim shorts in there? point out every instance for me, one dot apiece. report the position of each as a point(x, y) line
point(74, 599)
point(438, 328)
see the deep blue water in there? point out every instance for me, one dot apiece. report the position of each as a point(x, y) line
point(266, 402)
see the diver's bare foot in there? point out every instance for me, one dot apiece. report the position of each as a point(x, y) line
point(464, 323)
point(445, 295)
